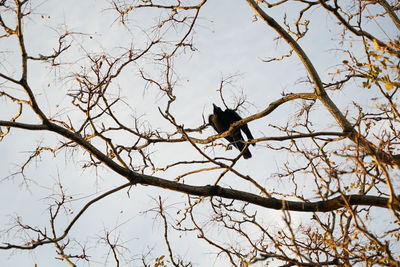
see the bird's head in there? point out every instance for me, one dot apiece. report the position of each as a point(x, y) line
point(217, 109)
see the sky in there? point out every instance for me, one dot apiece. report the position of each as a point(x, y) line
point(229, 43)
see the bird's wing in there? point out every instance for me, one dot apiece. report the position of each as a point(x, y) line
point(237, 139)
point(220, 127)
point(231, 116)
point(239, 143)
point(236, 117)
point(217, 123)
point(221, 122)
point(211, 121)
point(246, 130)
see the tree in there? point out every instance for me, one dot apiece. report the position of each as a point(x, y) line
point(113, 101)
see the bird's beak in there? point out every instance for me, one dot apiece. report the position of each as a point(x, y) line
point(215, 109)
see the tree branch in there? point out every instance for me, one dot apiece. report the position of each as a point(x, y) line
point(48, 240)
point(367, 146)
point(272, 203)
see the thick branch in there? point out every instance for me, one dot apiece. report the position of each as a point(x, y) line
point(319, 88)
point(272, 203)
point(25, 126)
point(389, 9)
point(367, 146)
point(271, 107)
point(297, 136)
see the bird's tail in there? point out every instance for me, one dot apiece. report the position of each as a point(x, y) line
point(246, 153)
point(242, 147)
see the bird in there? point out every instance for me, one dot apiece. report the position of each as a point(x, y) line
point(222, 120)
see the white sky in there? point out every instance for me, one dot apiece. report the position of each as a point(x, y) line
point(229, 42)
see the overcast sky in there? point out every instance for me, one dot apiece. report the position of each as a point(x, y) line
point(229, 42)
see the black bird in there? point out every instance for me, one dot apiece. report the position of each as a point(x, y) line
point(222, 120)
